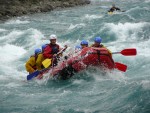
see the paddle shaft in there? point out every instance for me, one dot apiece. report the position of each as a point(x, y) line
point(61, 51)
point(115, 52)
point(58, 54)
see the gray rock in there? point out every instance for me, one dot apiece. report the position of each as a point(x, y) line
point(12, 8)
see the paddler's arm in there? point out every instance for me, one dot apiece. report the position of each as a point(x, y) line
point(29, 65)
point(61, 50)
point(39, 61)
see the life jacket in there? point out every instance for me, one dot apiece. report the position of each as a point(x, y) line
point(55, 48)
point(50, 50)
point(44, 48)
point(34, 67)
point(114, 9)
point(99, 46)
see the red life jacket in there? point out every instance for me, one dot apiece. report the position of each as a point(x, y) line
point(50, 50)
point(55, 48)
point(99, 46)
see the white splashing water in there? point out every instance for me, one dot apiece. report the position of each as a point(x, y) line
point(123, 30)
point(17, 21)
point(76, 26)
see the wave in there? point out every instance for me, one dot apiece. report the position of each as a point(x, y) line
point(126, 31)
point(2, 30)
point(91, 17)
point(17, 21)
point(71, 27)
point(10, 53)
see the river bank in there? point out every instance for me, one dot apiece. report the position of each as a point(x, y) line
point(13, 8)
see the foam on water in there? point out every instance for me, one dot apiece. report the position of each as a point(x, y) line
point(126, 31)
point(76, 26)
point(2, 30)
point(10, 53)
point(91, 17)
point(17, 21)
point(10, 36)
point(145, 84)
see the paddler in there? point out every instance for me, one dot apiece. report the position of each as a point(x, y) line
point(113, 8)
point(31, 63)
point(97, 43)
point(52, 49)
point(77, 48)
point(84, 44)
point(40, 59)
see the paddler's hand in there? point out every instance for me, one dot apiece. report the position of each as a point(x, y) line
point(55, 55)
point(65, 46)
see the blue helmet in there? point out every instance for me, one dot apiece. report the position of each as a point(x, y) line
point(43, 47)
point(84, 42)
point(98, 39)
point(78, 47)
point(37, 51)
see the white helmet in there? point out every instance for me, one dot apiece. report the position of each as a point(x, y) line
point(53, 37)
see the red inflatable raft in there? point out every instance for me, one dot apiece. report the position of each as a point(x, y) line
point(89, 56)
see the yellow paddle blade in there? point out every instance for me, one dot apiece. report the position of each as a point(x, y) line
point(110, 13)
point(47, 62)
